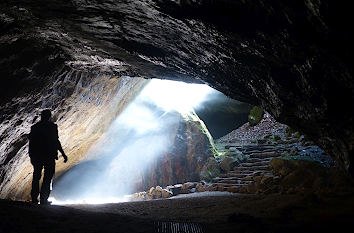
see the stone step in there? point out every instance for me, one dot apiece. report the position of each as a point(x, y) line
point(232, 189)
point(239, 174)
point(226, 186)
point(236, 181)
point(254, 168)
point(228, 145)
point(231, 175)
point(231, 180)
point(247, 179)
point(229, 184)
point(254, 160)
point(264, 155)
point(226, 178)
point(252, 164)
point(258, 147)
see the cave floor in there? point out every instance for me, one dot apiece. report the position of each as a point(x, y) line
point(219, 213)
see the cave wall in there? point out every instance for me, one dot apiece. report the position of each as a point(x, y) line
point(294, 58)
point(83, 105)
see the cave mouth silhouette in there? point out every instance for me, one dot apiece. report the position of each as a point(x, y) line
point(144, 128)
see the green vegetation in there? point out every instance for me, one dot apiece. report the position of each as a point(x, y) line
point(289, 131)
point(202, 127)
point(255, 116)
point(275, 137)
point(210, 170)
point(297, 135)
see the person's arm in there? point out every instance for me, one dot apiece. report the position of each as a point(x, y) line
point(60, 148)
point(62, 152)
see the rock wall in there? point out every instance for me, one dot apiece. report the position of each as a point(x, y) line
point(83, 106)
point(293, 58)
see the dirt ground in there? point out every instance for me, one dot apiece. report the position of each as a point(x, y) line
point(214, 212)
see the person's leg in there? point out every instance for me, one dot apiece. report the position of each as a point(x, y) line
point(37, 173)
point(49, 170)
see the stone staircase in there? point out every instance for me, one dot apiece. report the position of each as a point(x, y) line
point(253, 174)
point(257, 166)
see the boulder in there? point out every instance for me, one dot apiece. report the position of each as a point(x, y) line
point(201, 187)
point(226, 163)
point(187, 187)
point(166, 194)
point(155, 193)
point(210, 170)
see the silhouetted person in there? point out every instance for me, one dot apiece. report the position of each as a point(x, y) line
point(43, 151)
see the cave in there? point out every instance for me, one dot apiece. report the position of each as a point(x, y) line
point(180, 116)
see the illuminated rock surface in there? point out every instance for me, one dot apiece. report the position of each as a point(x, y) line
point(83, 113)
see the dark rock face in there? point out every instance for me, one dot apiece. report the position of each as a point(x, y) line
point(190, 149)
point(292, 58)
point(221, 114)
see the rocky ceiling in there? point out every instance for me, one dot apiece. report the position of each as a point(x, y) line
point(294, 58)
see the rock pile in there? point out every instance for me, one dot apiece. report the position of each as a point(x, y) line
point(153, 193)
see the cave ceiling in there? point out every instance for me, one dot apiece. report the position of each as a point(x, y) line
point(293, 58)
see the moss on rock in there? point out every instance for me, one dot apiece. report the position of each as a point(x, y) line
point(210, 170)
point(255, 116)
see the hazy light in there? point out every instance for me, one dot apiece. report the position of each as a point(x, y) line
point(172, 95)
point(143, 131)
point(95, 201)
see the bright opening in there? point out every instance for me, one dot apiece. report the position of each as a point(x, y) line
point(172, 95)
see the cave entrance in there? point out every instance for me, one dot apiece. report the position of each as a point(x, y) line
point(149, 143)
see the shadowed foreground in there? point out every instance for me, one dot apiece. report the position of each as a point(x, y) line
point(214, 212)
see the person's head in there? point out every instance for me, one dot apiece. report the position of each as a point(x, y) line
point(46, 115)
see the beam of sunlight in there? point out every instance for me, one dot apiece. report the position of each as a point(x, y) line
point(91, 201)
point(172, 95)
point(115, 166)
